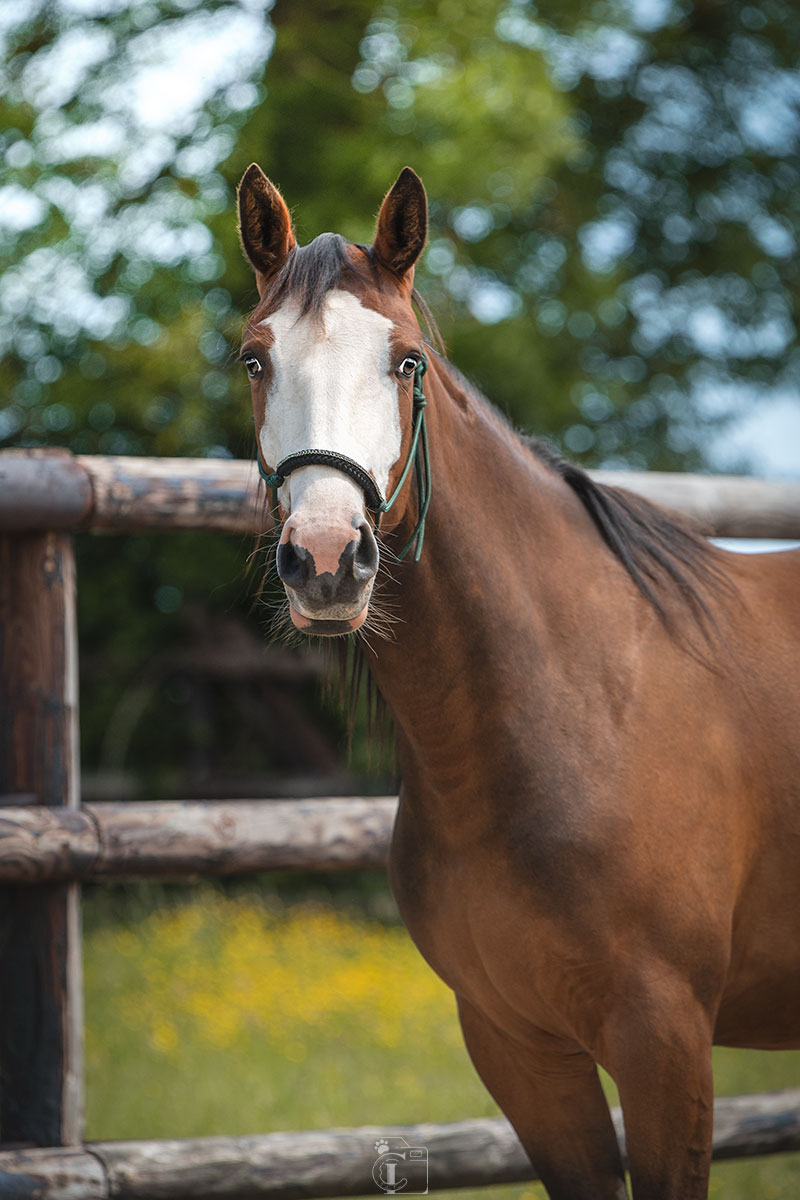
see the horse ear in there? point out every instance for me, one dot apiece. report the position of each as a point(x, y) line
point(402, 223)
point(265, 226)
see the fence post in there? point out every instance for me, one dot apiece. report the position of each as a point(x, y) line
point(41, 993)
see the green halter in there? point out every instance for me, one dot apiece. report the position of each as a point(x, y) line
point(418, 457)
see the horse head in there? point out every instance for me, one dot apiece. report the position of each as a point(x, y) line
point(334, 355)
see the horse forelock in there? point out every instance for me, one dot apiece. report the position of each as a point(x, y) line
point(311, 272)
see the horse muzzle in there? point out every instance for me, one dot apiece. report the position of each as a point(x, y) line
point(328, 570)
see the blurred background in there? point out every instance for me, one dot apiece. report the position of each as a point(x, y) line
point(615, 209)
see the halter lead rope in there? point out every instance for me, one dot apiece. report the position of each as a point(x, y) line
point(418, 457)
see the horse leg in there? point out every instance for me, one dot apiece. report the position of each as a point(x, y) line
point(659, 1054)
point(551, 1094)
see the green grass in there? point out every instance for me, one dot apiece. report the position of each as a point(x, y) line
point(231, 1017)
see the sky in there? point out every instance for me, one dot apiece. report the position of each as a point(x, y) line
point(767, 439)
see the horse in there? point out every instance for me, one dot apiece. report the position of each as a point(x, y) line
point(595, 709)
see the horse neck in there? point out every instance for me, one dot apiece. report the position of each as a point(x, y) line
point(507, 598)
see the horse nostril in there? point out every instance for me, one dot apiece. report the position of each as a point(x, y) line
point(365, 563)
point(295, 564)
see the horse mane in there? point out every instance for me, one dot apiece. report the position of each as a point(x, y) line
point(666, 558)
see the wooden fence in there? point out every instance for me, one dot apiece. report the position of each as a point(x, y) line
point(49, 843)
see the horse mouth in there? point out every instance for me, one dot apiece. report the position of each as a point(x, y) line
point(327, 627)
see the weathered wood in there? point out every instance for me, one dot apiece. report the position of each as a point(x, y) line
point(137, 494)
point(41, 1017)
point(164, 838)
point(171, 839)
point(53, 1174)
point(46, 845)
point(747, 1126)
point(338, 1162)
point(176, 493)
point(43, 489)
point(290, 1166)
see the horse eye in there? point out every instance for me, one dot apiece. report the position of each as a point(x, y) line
point(408, 366)
point(252, 366)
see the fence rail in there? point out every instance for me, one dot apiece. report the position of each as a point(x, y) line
point(338, 1162)
point(49, 844)
point(163, 839)
point(56, 490)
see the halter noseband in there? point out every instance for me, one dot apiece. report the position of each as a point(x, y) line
point(418, 456)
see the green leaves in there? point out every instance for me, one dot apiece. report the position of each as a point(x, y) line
point(629, 161)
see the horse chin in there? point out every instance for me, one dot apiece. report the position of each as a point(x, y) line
point(321, 627)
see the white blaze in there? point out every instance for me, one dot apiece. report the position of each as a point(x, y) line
point(332, 389)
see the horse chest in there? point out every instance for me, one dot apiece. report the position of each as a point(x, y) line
point(495, 925)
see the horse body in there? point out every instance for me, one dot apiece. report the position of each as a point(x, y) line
point(596, 844)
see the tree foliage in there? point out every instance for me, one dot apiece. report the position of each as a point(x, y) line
point(614, 203)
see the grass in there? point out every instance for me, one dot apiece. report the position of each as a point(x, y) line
point(232, 1016)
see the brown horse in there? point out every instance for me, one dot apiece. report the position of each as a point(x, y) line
point(597, 845)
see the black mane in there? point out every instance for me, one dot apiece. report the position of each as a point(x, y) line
point(665, 557)
point(661, 552)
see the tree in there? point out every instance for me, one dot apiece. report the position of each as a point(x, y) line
point(649, 285)
point(115, 124)
point(614, 195)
